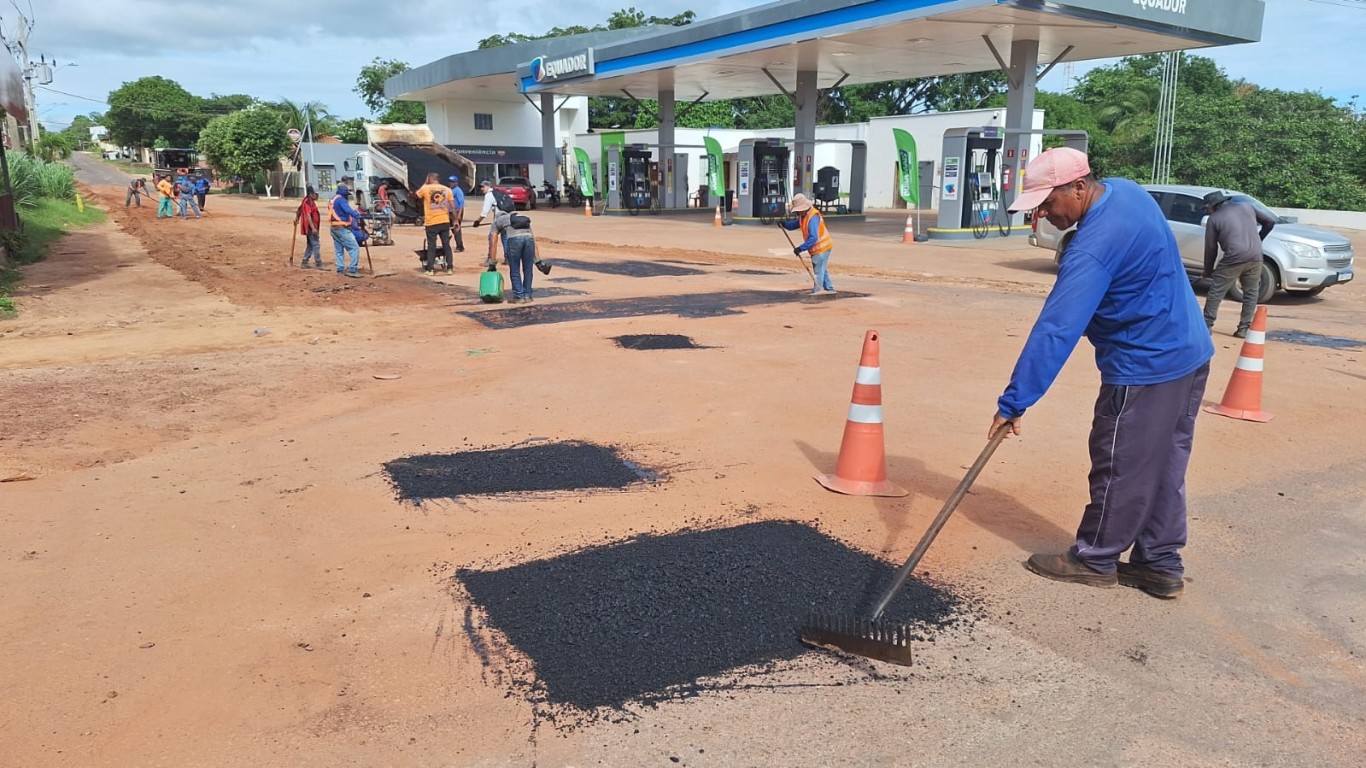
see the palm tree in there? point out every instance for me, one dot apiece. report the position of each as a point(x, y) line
point(1126, 114)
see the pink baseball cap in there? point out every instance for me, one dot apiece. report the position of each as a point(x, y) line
point(1053, 168)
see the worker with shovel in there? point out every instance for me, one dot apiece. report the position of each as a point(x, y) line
point(816, 242)
point(1121, 284)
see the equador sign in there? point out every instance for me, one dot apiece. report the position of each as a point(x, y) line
point(545, 70)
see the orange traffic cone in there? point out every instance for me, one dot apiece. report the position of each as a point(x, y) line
point(716, 220)
point(862, 466)
point(587, 208)
point(908, 234)
point(1243, 398)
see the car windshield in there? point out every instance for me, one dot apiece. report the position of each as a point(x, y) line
point(1255, 203)
point(514, 180)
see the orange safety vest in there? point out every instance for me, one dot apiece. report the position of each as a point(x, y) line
point(823, 241)
point(332, 220)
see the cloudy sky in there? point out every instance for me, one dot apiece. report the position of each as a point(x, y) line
point(274, 49)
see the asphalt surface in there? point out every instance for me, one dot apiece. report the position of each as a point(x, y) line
point(654, 617)
point(92, 170)
point(551, 467)
point(655, 341)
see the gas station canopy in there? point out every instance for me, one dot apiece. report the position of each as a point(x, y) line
point(749, 53)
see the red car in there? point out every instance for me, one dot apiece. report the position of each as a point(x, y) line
point(520, 190)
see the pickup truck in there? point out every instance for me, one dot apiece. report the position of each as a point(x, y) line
point(520, 190)
point(1297, 258)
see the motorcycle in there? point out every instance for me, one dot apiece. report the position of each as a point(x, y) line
point(551, 194)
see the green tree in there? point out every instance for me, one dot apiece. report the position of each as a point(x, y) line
point(761, 112)
point(370, 88)
point(350, 131)
point(53, 146)
point(78, 133)
point(151, 110)
point(221, 105)
point(704, 115)
point(246, 142)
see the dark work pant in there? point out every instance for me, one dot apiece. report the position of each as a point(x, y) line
point(1248, 276)
point(200, 197)
point(459, 238)
point(521, 263)
point(1140, 445)
point(434, 231)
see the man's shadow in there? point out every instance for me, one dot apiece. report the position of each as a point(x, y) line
point(994, 511)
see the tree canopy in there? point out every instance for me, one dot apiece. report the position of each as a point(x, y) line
point(370, 88)
point(154, 111)
point(1292, 149)
point(245, 142)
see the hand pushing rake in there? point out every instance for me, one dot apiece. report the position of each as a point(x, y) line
point(877, 638)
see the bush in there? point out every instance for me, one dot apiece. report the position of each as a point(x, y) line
point(32, 178)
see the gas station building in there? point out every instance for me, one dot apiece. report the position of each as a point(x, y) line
point(799, 48)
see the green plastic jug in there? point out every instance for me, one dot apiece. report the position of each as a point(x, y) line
point(491, 286)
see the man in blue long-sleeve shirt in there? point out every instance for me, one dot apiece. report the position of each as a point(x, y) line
point(341, 217)
point(1121, 284)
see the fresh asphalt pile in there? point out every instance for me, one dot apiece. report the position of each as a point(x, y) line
point(629, 268)
point(654, 617)
point(687, 305)
point(563, 466)
point(655, 341)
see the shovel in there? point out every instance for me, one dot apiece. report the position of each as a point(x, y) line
point(874, 637)
point(799, 258)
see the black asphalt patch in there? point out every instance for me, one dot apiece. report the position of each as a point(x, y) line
point(464, 292)
point(1314, 339)
point(659, 616)
point(688, 305)
point(569, 279)
point(565, 466)
point(629, 268)
point(655, 341)
point(756, 272)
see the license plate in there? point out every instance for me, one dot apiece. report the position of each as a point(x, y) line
point(1345, 277)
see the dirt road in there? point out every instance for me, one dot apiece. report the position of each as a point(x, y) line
point(210, 566)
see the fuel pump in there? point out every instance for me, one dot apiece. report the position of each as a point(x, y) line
point(636, 195)
point(770, 181)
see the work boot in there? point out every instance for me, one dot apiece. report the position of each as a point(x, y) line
point(1155, 583)
point(429, 272)
point(1241, 333)
point(1067, 568)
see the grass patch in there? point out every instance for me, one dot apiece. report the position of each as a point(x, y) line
point(44, 222)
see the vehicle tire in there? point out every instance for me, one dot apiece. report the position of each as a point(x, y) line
point(1270, 282)
point(531, 203)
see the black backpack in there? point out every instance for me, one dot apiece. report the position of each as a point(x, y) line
point(504, 201)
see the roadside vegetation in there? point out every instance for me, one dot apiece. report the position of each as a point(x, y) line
point(45, 198)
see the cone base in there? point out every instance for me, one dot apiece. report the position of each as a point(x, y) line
point(1260, 417)
point(861, 487)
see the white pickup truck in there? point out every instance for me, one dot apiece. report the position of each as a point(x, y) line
point(1298, 258)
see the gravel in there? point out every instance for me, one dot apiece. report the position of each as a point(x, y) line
point(564, 466)
point(651, 618)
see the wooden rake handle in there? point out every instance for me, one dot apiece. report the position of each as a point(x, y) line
point(949, 506)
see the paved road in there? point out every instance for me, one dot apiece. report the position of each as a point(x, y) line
point(92, 170)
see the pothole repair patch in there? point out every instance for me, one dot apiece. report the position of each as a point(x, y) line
point(563, 466)
point(655, 341)
point(665, 616)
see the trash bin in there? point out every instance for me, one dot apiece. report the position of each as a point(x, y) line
point(730, 196)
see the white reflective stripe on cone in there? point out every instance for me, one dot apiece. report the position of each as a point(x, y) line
point(868, 375)
point(865, 414)
point(1249, 364)
point(1256, 337)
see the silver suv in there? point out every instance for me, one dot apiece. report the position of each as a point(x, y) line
point(1298, 258)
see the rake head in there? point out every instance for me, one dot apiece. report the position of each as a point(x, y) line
point(874, 638)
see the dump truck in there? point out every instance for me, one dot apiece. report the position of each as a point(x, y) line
point(401, 155)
